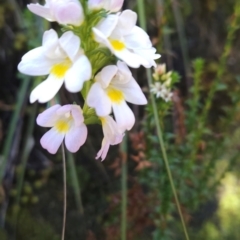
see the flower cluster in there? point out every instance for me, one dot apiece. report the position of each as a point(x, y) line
point(92, 56)
point(163, 83)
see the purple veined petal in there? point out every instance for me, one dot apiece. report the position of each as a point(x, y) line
point(75, 138)
point(102, 153)
point(70, 43)
point(51, 140)
point(132, 92)
point(46, 90)
point(99, 100)
point(80, 72)
point(123, 115)
point(35, 63)
point(48, 117)
point(42, 11)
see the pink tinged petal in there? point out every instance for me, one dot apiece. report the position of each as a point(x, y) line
point(34, 63)
point(70, 43)
point(75, 138)
point(46, 90)
point(107, 25)
point(77, 115)
point(106, 75)
point(76, 112)
point(104, 150)
point(80, 72)
point(111, 131)
point(42, 11)
point(99, 100)
point(116, 5)
point(124, 116)
point(132, 92)
point(52, 140)
point(68, 12)
point(95, 4)
point(137, 39)
point(48, 117)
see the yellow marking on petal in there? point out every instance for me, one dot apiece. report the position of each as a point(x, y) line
point(62, 126)
point(60, 69)
point(115, 95)
point(102, 119)
point(117, 45)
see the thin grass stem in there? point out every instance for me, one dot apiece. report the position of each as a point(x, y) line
point(13, 125)
point(64, 192)
point(142, 20)
point(123, 149)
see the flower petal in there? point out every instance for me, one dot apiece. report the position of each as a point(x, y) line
point(51, 140)
point(107, 25)
point(98, 99)
point(46, 90)
point(79, 73)
point(75, 138)
point(76, 112)
point(41, 11)
point(48, 117)
point(138, 38)
point(132, 92)
point(106, 75)
point(34, 63)
point(116, 5)
point(104, 150)
point(68, 12)
point(123, 115)
point(127, 21)
point(70, 43)
point(51, 45)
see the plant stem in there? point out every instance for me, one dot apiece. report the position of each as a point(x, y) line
point(123, 148)
point(64, 192)
point(142, 20)
point(13, 125)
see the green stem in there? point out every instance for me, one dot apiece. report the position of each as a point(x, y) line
point(123, 148)
point(64, 193)
point(75, 182)
point(12, 126)
point(142, 20)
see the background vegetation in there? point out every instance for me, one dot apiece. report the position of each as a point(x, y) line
point(129, 196)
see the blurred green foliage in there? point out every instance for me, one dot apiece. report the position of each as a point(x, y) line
point(201, 135)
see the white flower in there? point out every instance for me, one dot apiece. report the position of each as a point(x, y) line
point(109, 5)
point(66, 122)
point(113, 87)
point(161, 91)
point(112, 135)
point(62, 59)
point(127, 41)
point(61, 11)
